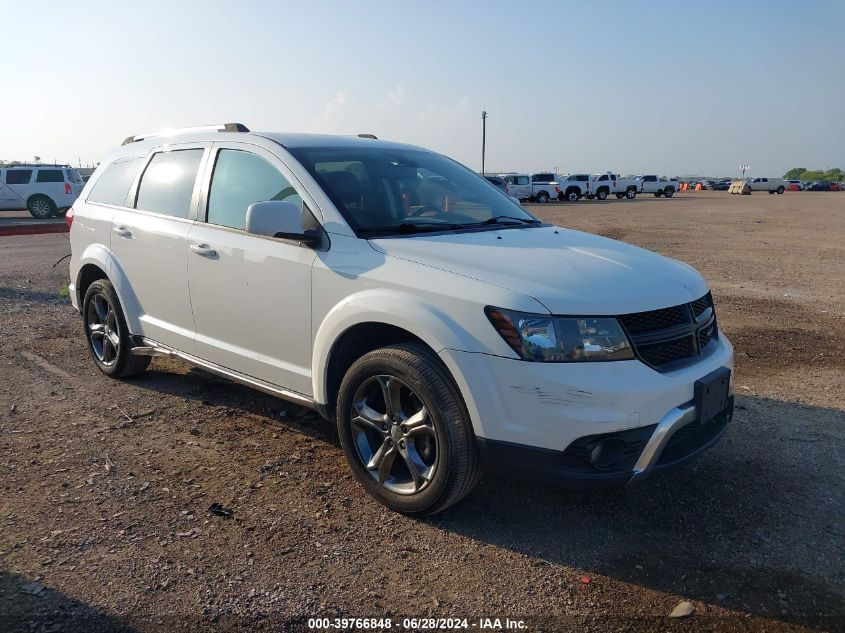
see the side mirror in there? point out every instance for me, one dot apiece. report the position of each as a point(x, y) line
point(282, 219)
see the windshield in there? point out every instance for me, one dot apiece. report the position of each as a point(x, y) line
point(397, 190)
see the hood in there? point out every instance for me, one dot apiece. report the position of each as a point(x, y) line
point(569, 272)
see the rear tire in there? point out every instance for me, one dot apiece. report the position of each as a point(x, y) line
point(41, 207)
point(542, 197)
point(601, 194)
point(619, 196)
point(400, 403)
point(668, 192)
point(108, 336)
point(780, 190)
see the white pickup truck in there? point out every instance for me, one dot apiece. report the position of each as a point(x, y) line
point(534, 188)
point(772, 185)
point(575, 186)
point(650, 183)
point(610, 183)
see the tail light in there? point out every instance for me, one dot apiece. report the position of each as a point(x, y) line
point(557, 189)
point(67, 189)
point(69, 218)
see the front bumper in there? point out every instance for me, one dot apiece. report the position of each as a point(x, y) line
point(678, 437)
point(534, 413)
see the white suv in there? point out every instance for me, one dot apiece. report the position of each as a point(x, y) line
point(445, 330)
point(45, 190)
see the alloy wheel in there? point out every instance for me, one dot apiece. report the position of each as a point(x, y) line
point(40, 208)
point(103, 330)
point(394, 434)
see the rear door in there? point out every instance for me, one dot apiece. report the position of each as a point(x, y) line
point(50, 181)
point(251, 295)
point(18, 187)
point(149, 243)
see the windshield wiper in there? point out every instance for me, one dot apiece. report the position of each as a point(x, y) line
point(409, 227)
point(500, 219)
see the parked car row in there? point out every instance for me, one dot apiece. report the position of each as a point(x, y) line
point(543, 187)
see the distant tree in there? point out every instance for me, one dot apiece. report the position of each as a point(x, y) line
point(834, 174)
point(794, 173)
point(814, 174)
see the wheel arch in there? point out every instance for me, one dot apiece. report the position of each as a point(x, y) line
point(97, 262)
point(373, 319)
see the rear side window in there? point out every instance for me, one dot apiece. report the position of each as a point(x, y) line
point(522, 180)
point(583, 178)
point(113, 186)
point(50, 175)
point(18, 176)
point(240, 179)
point(73, 176)
point(167, 185)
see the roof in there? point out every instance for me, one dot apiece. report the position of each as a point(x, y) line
point(298, 140)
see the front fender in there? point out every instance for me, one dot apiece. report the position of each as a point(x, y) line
point(391, 307)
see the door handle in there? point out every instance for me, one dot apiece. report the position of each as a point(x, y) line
point(122, 231)
point(203, 250)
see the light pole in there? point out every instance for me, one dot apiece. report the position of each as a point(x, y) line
point(483, 138)
point(744, 168)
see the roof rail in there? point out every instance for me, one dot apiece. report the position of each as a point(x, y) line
point(220, 127)
point(9, 166)
point(372, 136)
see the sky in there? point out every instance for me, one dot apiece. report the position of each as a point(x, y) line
point(672, 88)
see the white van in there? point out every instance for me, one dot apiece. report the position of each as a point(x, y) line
point(45, 190)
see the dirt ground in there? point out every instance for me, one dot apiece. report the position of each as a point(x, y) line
point(106, 485)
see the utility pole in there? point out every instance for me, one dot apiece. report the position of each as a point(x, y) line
point(483, 138)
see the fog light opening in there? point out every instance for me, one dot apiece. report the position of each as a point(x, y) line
point(608, 453)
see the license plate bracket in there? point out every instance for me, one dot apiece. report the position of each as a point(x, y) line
point(711, 393)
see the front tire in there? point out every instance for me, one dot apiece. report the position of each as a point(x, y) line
point(41, 207)
point(631, 194)
point(572, 195)
point(405, 430)
point(619, 196)
point(107, 334)
point(658, 193)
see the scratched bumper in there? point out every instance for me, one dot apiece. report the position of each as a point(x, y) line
point(550, 405)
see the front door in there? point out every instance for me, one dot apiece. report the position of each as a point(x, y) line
point(251, 295)
point(149, 245)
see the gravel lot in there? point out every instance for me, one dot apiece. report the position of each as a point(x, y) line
point(106, 485)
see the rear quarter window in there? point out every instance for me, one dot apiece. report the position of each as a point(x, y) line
point(50, 175)
point(113, 186)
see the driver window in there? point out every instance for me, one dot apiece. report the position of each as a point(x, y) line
point(241, 178)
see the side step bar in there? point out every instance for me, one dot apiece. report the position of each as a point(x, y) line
point(151, 348)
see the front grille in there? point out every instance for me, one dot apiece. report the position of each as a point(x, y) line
point(667, 352)
point(705, 336)
point(655, 319)
point(700, 305)
point(671, 337)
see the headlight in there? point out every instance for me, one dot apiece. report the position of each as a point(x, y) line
point(549, 339)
